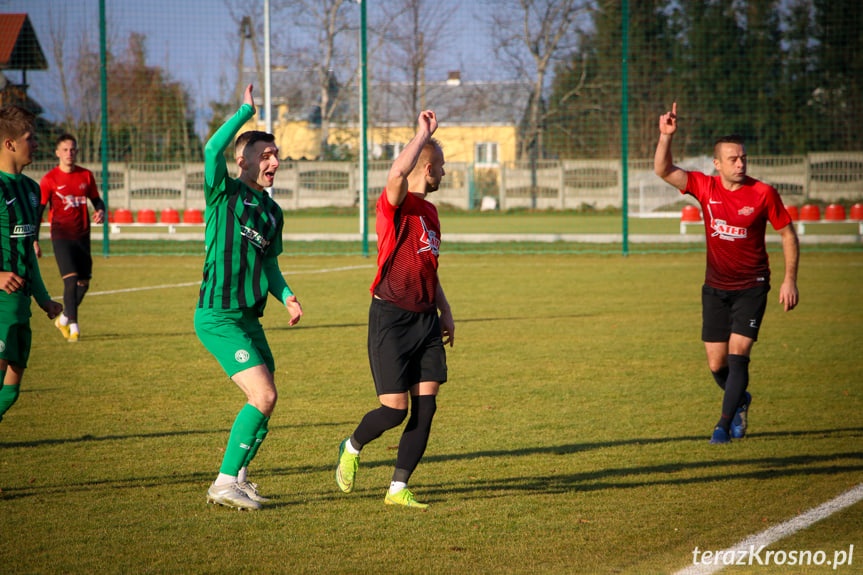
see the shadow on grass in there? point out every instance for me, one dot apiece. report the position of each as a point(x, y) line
point(458, 321)
point(155, 435)
point(675, 473)
point(695, 473)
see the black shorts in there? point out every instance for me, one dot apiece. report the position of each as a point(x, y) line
point(405, 347)
point(73, 257)
point(725, 312)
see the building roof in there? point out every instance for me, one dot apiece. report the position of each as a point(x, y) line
point(454, 102)
point(19, 46)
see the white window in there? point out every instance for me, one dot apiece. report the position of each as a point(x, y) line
point(390, 151)
point(485, 154)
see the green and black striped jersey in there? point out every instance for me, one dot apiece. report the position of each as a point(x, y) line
point(18, 228)
point(243, 231)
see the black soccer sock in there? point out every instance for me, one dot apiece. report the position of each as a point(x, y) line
point(375, 423)
point(735, 387)
point(721, 377)
point(70, 298)
point(415, 437)
point(80, 290)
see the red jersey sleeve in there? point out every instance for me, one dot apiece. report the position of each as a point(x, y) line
point(777, 215)
point(46, 185)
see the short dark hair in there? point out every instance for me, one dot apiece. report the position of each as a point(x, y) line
point(15, 121)
point(729, 139)
point(65, 137)
point(251, 138)
point(427, 153)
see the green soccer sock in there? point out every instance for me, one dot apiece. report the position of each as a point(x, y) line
point(242, 440)
point(8, 395)
point(259, 439)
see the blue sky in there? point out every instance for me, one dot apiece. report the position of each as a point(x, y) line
point(195, 40)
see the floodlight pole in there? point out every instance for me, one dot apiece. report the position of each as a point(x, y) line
point(103, 89)
point(624, 124)
point(363, 85)
point(268, 77)
point(268, 103)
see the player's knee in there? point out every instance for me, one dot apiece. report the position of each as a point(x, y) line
point(265, 400)
point(391, 417)
point(425, 407)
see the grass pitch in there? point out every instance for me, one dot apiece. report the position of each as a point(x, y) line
point(572, 436)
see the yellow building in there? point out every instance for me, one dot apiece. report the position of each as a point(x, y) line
point(478, 123)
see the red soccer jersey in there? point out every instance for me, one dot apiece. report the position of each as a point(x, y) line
point(408, 248)
point(67, 195)
point(735, 223)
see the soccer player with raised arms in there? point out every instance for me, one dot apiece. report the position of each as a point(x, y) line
point(406, 337)
point(736, 210)
point(19, 268)
point(243, 237)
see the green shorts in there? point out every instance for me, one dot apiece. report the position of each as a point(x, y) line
point(236, 338)
point(15, 334)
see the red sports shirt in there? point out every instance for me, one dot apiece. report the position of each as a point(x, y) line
point(67, 195)
point(735, 224)
point(408, 248)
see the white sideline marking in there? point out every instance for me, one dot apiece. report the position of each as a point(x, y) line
point(777, 532)
point(197, 283)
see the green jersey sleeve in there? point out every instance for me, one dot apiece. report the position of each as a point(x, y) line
point(37, 286)
point(215, 167)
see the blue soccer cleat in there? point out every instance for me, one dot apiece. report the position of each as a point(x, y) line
point(720, 436)
point(738, 425)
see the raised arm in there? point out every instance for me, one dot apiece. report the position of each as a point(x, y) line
point(397, 180)
point(663, 164)
point(215, 166)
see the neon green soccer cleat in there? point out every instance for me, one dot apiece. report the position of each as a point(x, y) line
point(405, 498)
point(346, 469)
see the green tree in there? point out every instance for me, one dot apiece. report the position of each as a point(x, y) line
point(150, 116)
point(838, 97)
point(586, 99)
point(796, 106)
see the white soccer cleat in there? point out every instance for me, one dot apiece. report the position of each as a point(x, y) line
point(230, 495)
point(251, 491)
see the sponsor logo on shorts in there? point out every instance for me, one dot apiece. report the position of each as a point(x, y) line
point(242, 356)
point(2, 346)
point(753, 323)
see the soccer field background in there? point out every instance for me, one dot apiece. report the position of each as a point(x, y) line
point(572, 436)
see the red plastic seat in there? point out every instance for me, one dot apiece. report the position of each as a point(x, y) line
point(193, 217)
point(122, 216)
point(835, 213)
point(690, 214)
point(810, 213)
point(793, 212)
point(170, 216)
point(146, 217)
point(857, 212)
